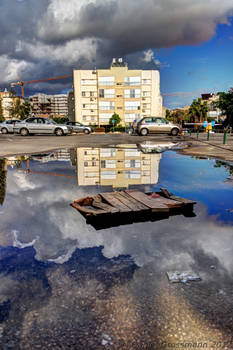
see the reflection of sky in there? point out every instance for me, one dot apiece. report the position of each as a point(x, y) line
point(37, 209)
point(69, 275)
point(198, 179)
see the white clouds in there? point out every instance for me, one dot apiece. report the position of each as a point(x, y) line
point(13, 69)
point(59, 35)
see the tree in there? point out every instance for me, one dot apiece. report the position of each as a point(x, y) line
point(114, 120)
point(1, 112)
point(25, 109)
point(168, 114)
point(225, 104)
point(14, 109)
point(198, 110)
point(20, 110)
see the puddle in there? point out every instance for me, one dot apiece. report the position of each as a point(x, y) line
point(65, 284)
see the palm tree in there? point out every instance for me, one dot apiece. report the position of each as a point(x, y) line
point(198, 110)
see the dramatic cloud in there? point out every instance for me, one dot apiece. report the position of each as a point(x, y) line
point(51, 37)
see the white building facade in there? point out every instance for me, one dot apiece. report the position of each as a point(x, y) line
point(132, 94)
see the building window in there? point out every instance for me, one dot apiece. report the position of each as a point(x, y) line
point(106, 93)
point(85, 163)
point(108, 175)
point(106, 81)
point(132, 163)
point(88, 82)
point(106, 105)
point(132, 105)
point(103, 164)
point(84, 106)
point(93, 163)
point(91, 93)
point(83, 93)
point(132, 93)
point(132, 81)
point(133, 174)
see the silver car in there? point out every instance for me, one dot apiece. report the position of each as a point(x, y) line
point(78, 127)
point(149, 125)
point(38, 125)
point(7, 126)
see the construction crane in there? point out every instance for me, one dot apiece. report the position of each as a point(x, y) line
point(22, 83)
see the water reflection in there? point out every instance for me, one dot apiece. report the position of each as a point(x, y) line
point(63, 283)
point(3, 172)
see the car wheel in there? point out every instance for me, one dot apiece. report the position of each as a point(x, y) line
point(86, 131)
point(4, 131)
point(59, 132)
point(144, 132)
point(24, 132)
point(174, 132)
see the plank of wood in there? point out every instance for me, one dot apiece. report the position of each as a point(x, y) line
point(130, 202)
point(169, 202)
point(88, 210)
point(152, 203)
point(176, 198)
point(97, 203)
point(135, 204)
point(111, 198)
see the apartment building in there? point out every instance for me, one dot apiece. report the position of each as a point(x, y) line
point(100, 93)
point(7, 101)
point(59, 104)
point(116, 167)
point(213, 112)
point(49, 104)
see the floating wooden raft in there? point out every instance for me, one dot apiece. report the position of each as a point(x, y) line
point(130, 201)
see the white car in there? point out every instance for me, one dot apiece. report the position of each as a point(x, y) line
point(7, 126)
point(38, 125)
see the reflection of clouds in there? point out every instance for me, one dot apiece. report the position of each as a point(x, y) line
point(22, 182)
point(41, 209)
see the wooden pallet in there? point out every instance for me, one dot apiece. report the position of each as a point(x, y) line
point(130, 201)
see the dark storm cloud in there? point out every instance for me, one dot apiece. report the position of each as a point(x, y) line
point(51, 37)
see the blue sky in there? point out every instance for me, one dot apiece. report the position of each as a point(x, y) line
point(207, 67)
point(50, 38)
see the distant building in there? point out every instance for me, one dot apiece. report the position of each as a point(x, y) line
point(59, 105)
point(116, 167)
point(7, 100)
point(131, 94)
point(43, 104)
point(214, 112)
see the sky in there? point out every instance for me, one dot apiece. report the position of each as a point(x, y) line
point(190, 42)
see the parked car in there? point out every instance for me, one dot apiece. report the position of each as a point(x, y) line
point(7, 126)
point(149, 125)
point(38, 125)
point(78, 127)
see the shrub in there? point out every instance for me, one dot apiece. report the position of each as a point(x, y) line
point(62, 120)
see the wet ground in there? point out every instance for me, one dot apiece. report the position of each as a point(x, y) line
point(66, 285)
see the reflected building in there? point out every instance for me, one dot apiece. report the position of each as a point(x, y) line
point(116, 167)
